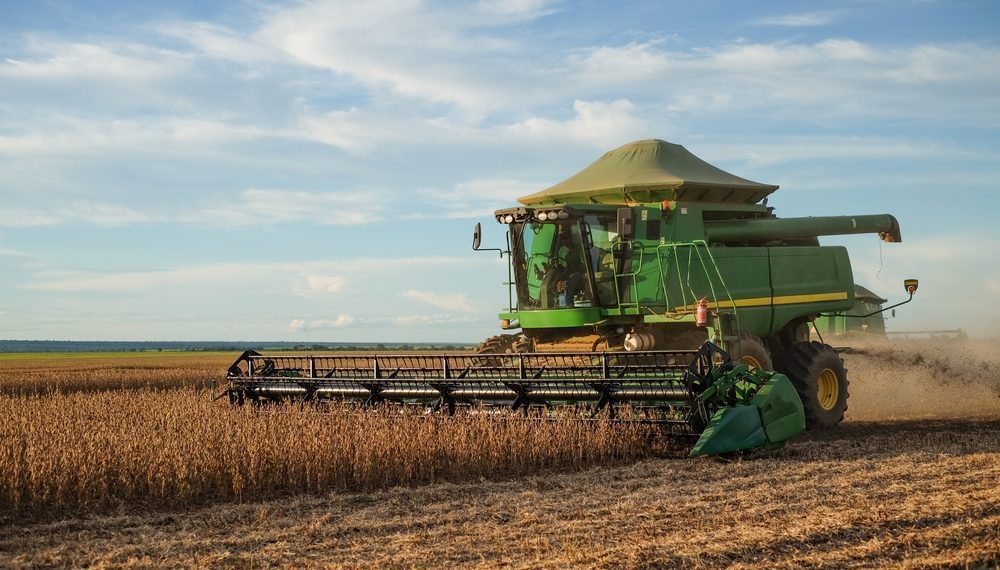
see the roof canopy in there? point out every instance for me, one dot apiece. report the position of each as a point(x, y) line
point(651, 171)
point(863, 294)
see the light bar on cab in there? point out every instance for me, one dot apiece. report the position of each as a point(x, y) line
point(545, 214)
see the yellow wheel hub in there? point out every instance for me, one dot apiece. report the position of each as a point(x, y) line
point(828, 389)
point(751, 362)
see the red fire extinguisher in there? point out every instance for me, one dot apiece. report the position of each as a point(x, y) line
point(701, 313)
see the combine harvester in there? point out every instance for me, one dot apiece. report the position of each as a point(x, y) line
point(650, 280)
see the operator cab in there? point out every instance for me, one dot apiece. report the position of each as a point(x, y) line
point(563, 257)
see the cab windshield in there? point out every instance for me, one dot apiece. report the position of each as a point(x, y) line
point(564, 264)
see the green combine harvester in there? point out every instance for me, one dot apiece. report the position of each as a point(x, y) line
point(650, 281)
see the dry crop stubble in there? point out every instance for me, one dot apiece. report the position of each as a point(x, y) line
point(921, 492)
point(904, 494)
point(87, 451)
point(92, 372)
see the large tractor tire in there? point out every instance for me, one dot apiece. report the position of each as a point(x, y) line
point(754, 352)
point(819, 376)
point(500, 344)
point(504, 344)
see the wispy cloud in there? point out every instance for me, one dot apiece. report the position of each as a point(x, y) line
point(434, 320)
point(79, 212)
point(310, 276)
point(374, 321)
point(788, 149)
point(447, 301)
point(420, 50)
point(48, 59)
point(264, 206)
point(301, 325)
point(806, 19)
point(325, 283)
point(596, 122)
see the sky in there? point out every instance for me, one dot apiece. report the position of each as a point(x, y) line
point(249, 170)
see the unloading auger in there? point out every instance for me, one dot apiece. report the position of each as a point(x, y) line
point(733, 407)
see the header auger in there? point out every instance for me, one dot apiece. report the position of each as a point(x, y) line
point(650, 279)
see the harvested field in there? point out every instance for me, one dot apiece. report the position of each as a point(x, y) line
point(912, 479)
point(27, 373)
point(906, 494)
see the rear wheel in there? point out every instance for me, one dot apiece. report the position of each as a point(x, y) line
point(754, 353)
point(819, 376)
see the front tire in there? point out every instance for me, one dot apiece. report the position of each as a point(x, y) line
point(819, 376)
point(504, 344)
point(754, 353)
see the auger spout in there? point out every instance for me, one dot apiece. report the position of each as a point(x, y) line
point(762, 229)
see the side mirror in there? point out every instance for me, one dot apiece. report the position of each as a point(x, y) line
point(626, 229)
point(910, 285)
point(477, 236)
point(894, 312)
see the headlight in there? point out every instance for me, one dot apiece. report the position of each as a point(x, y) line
point(508, 218)
point(543, 216)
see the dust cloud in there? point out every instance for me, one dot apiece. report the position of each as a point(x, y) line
point(923, 379)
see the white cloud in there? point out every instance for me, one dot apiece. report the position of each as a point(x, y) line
point(62, 134)
point(780, 150)
point(355, 130)
point(78, 212)
point(632, 62)
point(300, 325)
point(22, 218)
point(807, 19)
point(260, 206)
point(253, 207)
point(55, 59)
point(4, 252)
point(517, 10)
point(325, 283)
point(596, 122)
point(838, 78)
point(447, 301)
point(223, 274)
point(66, 281)
point(433, 320)
point(413, 49)
point(218, 42)
point(477, 198)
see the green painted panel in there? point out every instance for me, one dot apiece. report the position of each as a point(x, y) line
point(558, 318)
point(810, 280)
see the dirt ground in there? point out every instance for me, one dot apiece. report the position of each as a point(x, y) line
point(911, 480)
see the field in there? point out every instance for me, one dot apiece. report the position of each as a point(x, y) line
point(124, 460)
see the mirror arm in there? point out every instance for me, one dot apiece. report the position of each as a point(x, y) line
point(869, 314)
point(491, 249)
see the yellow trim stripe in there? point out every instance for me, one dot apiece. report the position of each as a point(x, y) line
point(780, 300)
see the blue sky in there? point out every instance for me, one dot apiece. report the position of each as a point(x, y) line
point(312, 170)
